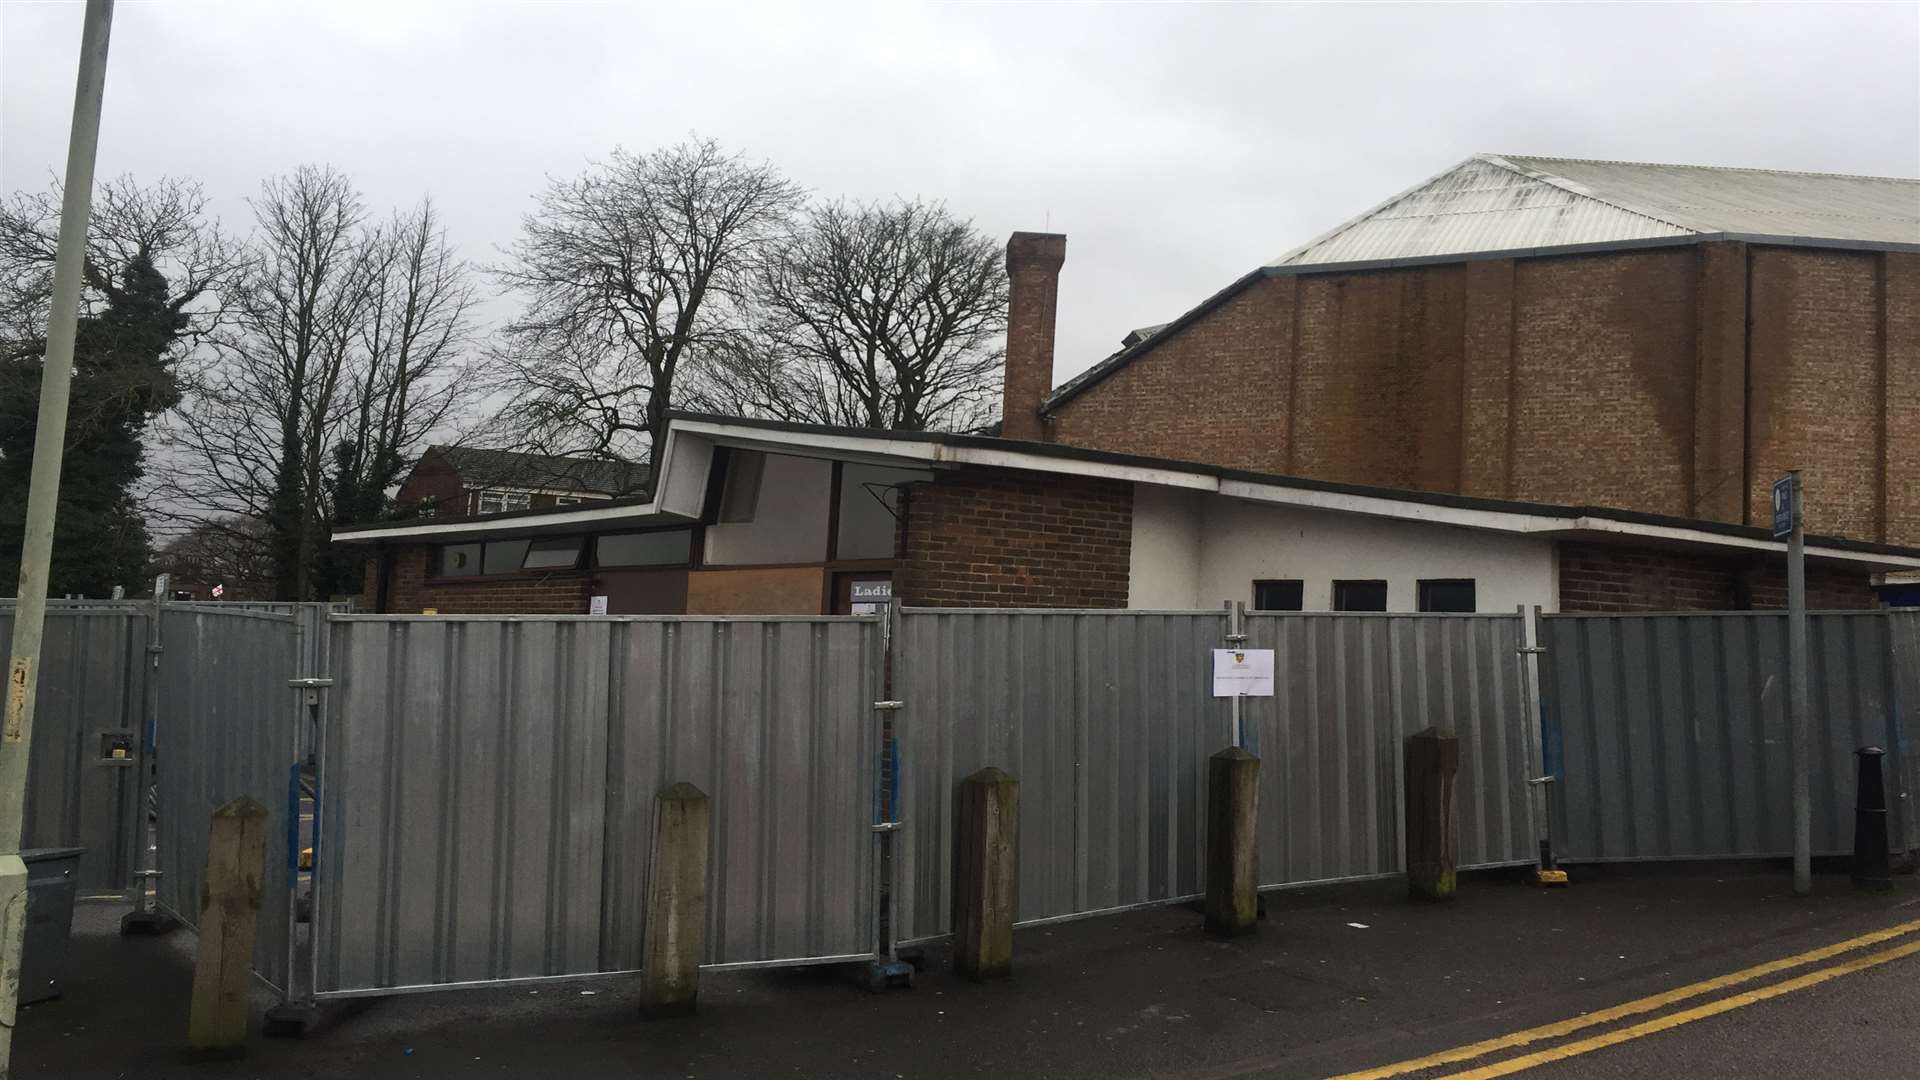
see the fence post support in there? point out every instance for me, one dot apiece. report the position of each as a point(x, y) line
point(676, 928)
point(1432, 760)
point(1233, 853)
point(983, 884)
point(229, 909)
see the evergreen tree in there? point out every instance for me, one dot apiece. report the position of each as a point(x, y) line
point(122, 379)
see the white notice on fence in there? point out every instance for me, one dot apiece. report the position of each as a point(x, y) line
point(597, 606)
point(1243, 673)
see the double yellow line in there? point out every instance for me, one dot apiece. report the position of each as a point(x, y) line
point(1652, 1003)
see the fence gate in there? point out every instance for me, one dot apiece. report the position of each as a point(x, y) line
point(227, 724)
point(1669, 732)
point(488, 784)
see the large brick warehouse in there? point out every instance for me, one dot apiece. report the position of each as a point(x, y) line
point(1665, 339)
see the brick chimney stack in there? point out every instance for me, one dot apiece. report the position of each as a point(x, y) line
point(1033, 272)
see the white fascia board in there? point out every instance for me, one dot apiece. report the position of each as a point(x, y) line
point(595, 516)
point(1698, 536)
point(1398, 509)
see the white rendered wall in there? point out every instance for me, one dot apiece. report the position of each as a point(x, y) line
point(1194, 550)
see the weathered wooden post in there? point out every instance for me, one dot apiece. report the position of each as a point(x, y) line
point(229, 909)
point(983, 883)
point(1233, 853)
point(1433, 758)
point(676, 928)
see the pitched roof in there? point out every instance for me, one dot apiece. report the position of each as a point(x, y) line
point(507, 468)
point(1501, 203)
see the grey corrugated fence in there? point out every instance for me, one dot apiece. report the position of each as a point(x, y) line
point(92, 682)
point(1106, 718)
point(488, 792)
point(1350, 689)
point(1669, 732)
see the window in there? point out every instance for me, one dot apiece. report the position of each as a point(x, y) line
point(1447, 594)
point(742, 491)
point(504, 556)
point(460, 560)
point(567, 500)
point(500, 502)
point(1359, 596)
point(561, 554)
point(670, 548)
point(1277, 595)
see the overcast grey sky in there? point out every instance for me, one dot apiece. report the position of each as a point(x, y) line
point(1178, 146)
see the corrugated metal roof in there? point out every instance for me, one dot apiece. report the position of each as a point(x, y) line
point(1493, 203)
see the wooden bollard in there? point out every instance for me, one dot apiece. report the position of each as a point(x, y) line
point(983, 883)
point(675, 937)
point(229, 910)
point(1233, 852)
point(1433, 758)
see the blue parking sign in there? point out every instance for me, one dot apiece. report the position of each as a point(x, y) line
point(1783, 506)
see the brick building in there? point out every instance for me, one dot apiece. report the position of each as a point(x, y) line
point(1663, 339)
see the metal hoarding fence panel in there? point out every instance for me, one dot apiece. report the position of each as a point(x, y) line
point(224, 729)
point(1349, 690)
point(1106, 720)
point(1671, 739)
point(488, 792)
point(92, 683)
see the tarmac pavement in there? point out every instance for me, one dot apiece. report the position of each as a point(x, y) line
point(1338, 979)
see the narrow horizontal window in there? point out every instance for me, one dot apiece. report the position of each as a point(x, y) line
point(1359, 596)
point(1277, 595)
point(669, 548)
point(1447, 594)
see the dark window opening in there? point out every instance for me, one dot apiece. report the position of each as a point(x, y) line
point(1447, 594)
point(1359, 596)
point(741, 493)
point(1277, 595)
point(561, 554)
point(670, 548)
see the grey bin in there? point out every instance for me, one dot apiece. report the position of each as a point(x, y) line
point(53, 878)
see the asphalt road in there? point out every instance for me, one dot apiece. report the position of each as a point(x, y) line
point(1138, 995)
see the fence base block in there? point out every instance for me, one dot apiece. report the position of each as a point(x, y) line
point(146, 923)
point(291, 1020)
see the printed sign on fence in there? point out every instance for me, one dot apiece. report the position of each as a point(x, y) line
point(1243, 673)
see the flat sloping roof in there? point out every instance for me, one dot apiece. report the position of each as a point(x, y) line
point(943, 449)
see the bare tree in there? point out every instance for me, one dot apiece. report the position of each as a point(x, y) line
point(632, 273)
point(412, 340)
point(875, 315)
point(344, 348)
point(233, 551)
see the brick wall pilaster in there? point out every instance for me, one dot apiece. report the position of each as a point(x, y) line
point(1720, 386)
point(1900, 404)
point(1486, 429)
